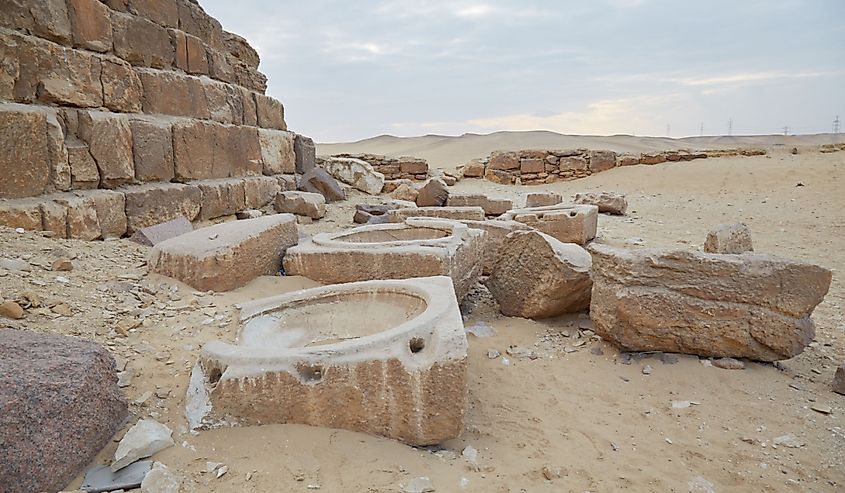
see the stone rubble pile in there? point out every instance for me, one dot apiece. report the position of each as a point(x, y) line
point(398, 168)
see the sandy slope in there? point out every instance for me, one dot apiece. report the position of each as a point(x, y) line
point(448, 152)
point(602, 424)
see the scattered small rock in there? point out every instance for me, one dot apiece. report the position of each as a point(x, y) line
point(493, 354)
point(144, 439)
point(421, 484)
point(789, 441)
point(729, 364)
point(160, 480)
point(11, 309)
point(647, 369)
point(823, 409)
point(15, 265)
point(62, 264)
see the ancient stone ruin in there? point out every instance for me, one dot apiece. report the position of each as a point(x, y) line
point(119, 115)
point(397, 368)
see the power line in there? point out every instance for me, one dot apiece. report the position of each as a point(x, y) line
point(836, 125)
point(785, 130)
point(701, 130)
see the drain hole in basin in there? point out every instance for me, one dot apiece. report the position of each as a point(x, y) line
point(572, 213)
point(416, 345)
point(310, 373)
point(215, 375)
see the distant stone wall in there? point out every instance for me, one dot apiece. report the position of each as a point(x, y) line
point(122, 97)
point(546, 166)
point(405, 167)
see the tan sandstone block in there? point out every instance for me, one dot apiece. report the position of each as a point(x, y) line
point(349, 366)
point(32, 152)
point(740, 306)
point(500, 160)
point(142, 42)
point(195, 55)
point(497, 230)
point(82, 221)
point(83, 169)
point(148, 205)
point(45, 18)
point(729, 239)
point(169, 93)
point(537, 276)
point(308, 204)
point(194, 20)
point(91, 24)
point(227, 255)
point(21, 213)
point(602, 161)
point(270, 112)
point(121, 86)
point(607, 202)
point(456, 213)
point(277, 151)
point(542, 199)
point(221, 197)
point(566, 223)
point(109, 140)
point(152, 149)
point(261, 190)
point(111, 211)
point(240, 49)
point(491, 206)
point(224, 102)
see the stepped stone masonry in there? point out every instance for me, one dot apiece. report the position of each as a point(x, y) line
point(397, 369)
point(130, 96)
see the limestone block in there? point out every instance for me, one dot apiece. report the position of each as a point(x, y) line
point(91, 25)
point(82, 222)
point(147, 205)
point(152, 149)
point(59, 406)
point(572, 163)
point(497, 230)
point(221, 197)
point(627, 160)
point(739, 306)
point(194, 20)
point(227, 255)
point(319, 181)
point(499, 176)
point(542, 199)
point(270, 112)
point(169, 93)
point(455, 213)
point(224, 102)
point(305, 151)
point(47, 19)
point(839, 380)
point(277, 151)
point(142, 42)
point(355, 172)
point(532, 165)
point(406, 340)
point(195, 53)
point(405, 191)
point(413, 165)
point(203, 149)
point(434, 193)
point(261, 190)
point(607, 202)
point(239, 48)
point(53, 217)
point(729, 238)
point(652, 158)
point(111, 211)
point(500, 160)
point(537, 276)
point(54, 74)
point(308, 204)
point(491, 206)
point(109, 139)
point(121, 86)
point(21, 213)
point(33, 156)
point(413, 248)
point(566, 223)
point(602, 161)
point(473, 169)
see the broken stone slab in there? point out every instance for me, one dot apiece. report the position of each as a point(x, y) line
point(318, 181)
point(405, 191)
point(839, 380)
point(497, 230)
point(360, 174)
point(144, 439)
point(492, 206)
point(434, 193)
point(308, 204)
point(454, 213)
point(751, 306)
point(161, 480)
point(227, 255)
point(100, 479)
point(566, 223)
point(370, 213)
point(537, 276)
point(153, 235)
point(542, 199)
point(729, 239)
point(414, 248)
point(59, 406)
point(607, 202)
point(300, 354)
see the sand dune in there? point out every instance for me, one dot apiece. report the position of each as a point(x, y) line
point(449, 151)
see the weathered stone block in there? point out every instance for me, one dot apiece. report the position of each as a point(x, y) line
point(497, 230)
point(572, 163)
point(121, 86)
point(413, 165)
point(46, 18)
point(434, 193)
point(317, 180)
point(455, 213)
point(422, 367)
point(111, 211)
point(500, 160)
point(537, 276)
point(607, 202)
point(169, 93)
point(221, 197)
point(56, 75)
point(499, 176)
point(194, 20)
point(32, 152)
point(21, 213)
point(82, 222)
point(602, 161)
point(224, 102)
point(147, 205)
point(491, 206)
point(53, 217)
point(196, 55)
point(542, 199)
point(153, 235)
point(142, 42)
point(532, 165)
point(652, 158)
point(566, 223)
point(261, 190)
point(227, 255)
point(91, 25)
point(277, 151)
point(473, 169)
point(109, 140)
point(308, 204)
point(414, 248)
point(627, 160)
point(239, 48)
point(194, 146)
point(270, 112)
point(59, 406)
point(306, 153)
point(152, 149)
point(730, 239)
point(749, 306)
point(360, 174)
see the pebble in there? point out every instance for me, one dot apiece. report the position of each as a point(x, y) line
point(421, 484)
point(729, 364)
point(789, 441)
point(470, 454)
point(62, 264)
point(62, 309)
point(144, 439)
point(10, 309)
point(493, 354)
point(822, 409)
point(647, 369)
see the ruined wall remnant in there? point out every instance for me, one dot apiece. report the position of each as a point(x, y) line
point(118, 114)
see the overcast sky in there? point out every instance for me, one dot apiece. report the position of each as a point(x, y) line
point(348, 70)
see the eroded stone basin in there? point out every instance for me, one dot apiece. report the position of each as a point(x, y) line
point(381, 357)
point(565, 222)
point(417, 247)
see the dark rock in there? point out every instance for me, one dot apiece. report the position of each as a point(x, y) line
point(365, 213)
point(101, 478)
point(319, 181)
point(839, 380)
point(59, 406)
point(305, 152)
point(434, 193)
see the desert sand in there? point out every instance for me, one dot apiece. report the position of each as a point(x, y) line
point(579, 417)
point(448, 152)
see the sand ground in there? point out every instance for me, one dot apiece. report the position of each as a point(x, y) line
point(578, 411)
